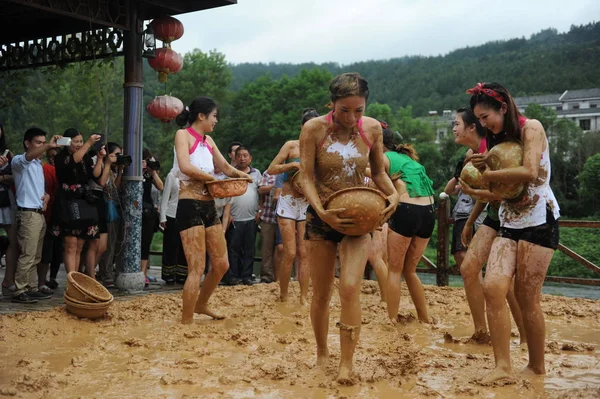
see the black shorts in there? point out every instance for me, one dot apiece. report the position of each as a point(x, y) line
point(318, 230)
point(192, 213)
point(101, 206)
point(149, 227)
point(457, 229)
point(491, 223)
point(52, 248)
point(545, 235)
point(412, 220)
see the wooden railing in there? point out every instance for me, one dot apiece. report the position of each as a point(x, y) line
point(442, 267)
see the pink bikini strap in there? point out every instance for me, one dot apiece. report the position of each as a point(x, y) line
point(329, 119)
point(482, 146)
point(522, 121)
point(199, 140)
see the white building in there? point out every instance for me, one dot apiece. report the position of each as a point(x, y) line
point(581, 106)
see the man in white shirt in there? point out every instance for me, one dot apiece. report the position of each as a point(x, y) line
point(31, 202)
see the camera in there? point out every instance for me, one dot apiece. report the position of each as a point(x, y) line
point(87, 194)
point(154, 165)
point(124, 160)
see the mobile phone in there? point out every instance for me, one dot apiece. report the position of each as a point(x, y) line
point(97, 146)
point(64, 141)
point(5, 153)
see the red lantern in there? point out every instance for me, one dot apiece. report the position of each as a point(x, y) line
point(165, 62)
point(165, 108)
point(167, 29)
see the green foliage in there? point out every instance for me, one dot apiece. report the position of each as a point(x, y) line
point(590, 183)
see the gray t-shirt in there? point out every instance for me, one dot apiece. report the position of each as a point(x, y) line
point(244, 207)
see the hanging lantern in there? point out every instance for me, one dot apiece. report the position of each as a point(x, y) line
point(166, 108)
point(165, 62)
point(167, 29)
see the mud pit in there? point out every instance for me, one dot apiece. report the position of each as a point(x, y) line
point(266, 349)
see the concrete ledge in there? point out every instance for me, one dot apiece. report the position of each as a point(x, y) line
point(131, 283)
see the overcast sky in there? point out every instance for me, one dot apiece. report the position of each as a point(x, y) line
point(346, 31)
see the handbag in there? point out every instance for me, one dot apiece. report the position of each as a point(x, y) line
point(112, 213)
point(78, 213)
point(4, 199)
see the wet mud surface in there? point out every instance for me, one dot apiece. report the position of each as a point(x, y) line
point(266, 349)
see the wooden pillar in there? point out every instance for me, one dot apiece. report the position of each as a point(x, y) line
point(130, 277)
point(443, 241)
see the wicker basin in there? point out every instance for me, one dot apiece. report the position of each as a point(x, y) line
point(362, 203)
point(227, 188)
point(83, 288)
point(86, 310)
point(503, 156)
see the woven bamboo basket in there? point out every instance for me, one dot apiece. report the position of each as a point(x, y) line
point(364, 204)
point(90, 311)
point(227, 188)
point(83, 288)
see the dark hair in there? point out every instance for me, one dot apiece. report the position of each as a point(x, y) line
point(32, 133)
point(390, 142)
point(233, 144)
point(201, 105)
point(469, 118)
point(347, 85)
point(511, 119)
point(308, 114)
point(146, 154)
point(111, 146)
point(2, 138)
point(71, 132)
point(242, 148)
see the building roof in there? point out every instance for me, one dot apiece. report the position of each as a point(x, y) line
point(22, 20)
point(578, 111)
point(542, 100)
point(580, 94)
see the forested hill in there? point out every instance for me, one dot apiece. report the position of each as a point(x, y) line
point(547, 62)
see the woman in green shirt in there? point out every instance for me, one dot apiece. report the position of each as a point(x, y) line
point(410, 227)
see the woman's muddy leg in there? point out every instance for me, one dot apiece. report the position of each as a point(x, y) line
point(415, 287)
point(515, 309)
point(475, 258)
point(193, 240)
point(376, 253)
point(216, 247)
point(288, 234)
point(353, 259)
point(498, 277)
point(303, 269)
point(533, 261)
point(397, 248)
point(321, 256)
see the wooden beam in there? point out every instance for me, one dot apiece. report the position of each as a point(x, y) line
point(579, 258)
point(579, 223)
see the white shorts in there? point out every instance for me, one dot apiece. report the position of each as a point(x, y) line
point(293, 208)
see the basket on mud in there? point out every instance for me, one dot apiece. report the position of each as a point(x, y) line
point(364, 204)
point(295, 180)
point(227, 188)
point(508, 154)
point(88, 310)
point(83, 288)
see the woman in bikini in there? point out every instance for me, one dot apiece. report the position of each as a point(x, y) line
point(197, 220)
point(528, 233)
point(334, 152)
point(291, 216)
point(469, 132)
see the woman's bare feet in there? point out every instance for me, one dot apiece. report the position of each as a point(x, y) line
point(322, 358)
point(345, 375)
point(531, 371)
point(303, 301)
point(497, 374)
point(209, 312)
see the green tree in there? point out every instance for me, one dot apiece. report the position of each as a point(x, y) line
point(590, 183)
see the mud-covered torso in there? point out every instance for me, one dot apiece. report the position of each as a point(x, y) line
point(288, 189)
point(340, 164)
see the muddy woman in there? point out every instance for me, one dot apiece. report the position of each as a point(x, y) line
point(411, 225)
point(197, 221)
point(334, 152)
point(469, 132)
point(528, 233)
point(291, 216)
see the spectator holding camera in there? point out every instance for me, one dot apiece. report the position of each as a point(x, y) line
point(150, 220)
point(114, 237)
point(31, 202)
point(74, 168)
